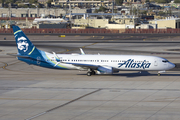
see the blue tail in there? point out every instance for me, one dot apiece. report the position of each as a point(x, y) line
point(28, 53)
point(24, 45)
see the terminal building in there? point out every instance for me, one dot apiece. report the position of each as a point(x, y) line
point(169, 22)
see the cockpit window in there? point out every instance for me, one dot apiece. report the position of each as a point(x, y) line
point(165, 61)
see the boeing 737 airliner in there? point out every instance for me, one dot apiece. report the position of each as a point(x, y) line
point(94, 64)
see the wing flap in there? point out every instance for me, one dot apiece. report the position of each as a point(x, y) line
point(91, 66)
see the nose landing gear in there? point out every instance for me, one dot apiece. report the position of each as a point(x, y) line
point(159, 72)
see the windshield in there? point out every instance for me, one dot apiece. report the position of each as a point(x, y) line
point(165, 61)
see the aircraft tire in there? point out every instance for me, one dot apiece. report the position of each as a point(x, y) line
point(89, 73)
point(93, 72)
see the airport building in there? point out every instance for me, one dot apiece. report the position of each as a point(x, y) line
point(43, 1)
point(81, 19)
point(94, 23)
point(169, 22)
point(81, 3)
point(35, 12)
point(115, 22)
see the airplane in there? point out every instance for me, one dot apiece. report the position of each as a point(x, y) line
point(92, 63)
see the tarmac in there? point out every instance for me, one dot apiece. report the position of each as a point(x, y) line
point(29, 92)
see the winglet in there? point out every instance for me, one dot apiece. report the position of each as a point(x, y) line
point(57, 59)
point(82, 52)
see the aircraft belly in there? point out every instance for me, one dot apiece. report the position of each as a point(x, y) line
point(135, 69)
point(66, 66)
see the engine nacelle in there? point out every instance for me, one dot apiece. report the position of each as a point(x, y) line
point(105, 70)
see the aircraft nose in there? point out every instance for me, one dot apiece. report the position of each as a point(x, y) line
point(171, 65)
point(175, 65)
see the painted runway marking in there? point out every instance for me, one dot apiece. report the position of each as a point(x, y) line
point(5, 65)
point(40, 114)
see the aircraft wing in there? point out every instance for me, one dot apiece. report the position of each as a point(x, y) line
point(94, 67)
point(100, 68)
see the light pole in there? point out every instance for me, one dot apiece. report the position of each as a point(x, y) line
point(70, 12)
point(113, 6)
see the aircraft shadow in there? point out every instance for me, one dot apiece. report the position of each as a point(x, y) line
point(144, 73)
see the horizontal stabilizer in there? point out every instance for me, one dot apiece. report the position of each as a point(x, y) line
point(16, 55)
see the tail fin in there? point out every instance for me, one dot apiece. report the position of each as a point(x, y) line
point(24, 45)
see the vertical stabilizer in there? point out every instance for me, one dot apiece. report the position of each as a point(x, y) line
point(24, 45)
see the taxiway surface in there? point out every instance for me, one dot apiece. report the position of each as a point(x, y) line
point(30, 92)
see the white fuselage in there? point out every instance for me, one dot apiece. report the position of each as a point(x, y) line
point(120, 62)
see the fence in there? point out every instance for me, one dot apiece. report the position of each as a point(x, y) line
point(92, 31)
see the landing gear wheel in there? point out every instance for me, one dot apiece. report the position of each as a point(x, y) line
point(159, 74)
point(89, 73)
point(93, 72)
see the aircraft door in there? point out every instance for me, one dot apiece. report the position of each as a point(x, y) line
point(155, 62)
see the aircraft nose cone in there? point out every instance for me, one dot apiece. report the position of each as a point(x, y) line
point(171, 65)
point(175, 65)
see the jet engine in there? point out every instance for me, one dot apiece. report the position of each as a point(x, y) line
point(106, 70)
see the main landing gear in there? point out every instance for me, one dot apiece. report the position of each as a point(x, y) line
point(92, 72)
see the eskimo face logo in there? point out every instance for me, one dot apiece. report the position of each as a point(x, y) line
point(22, 44)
